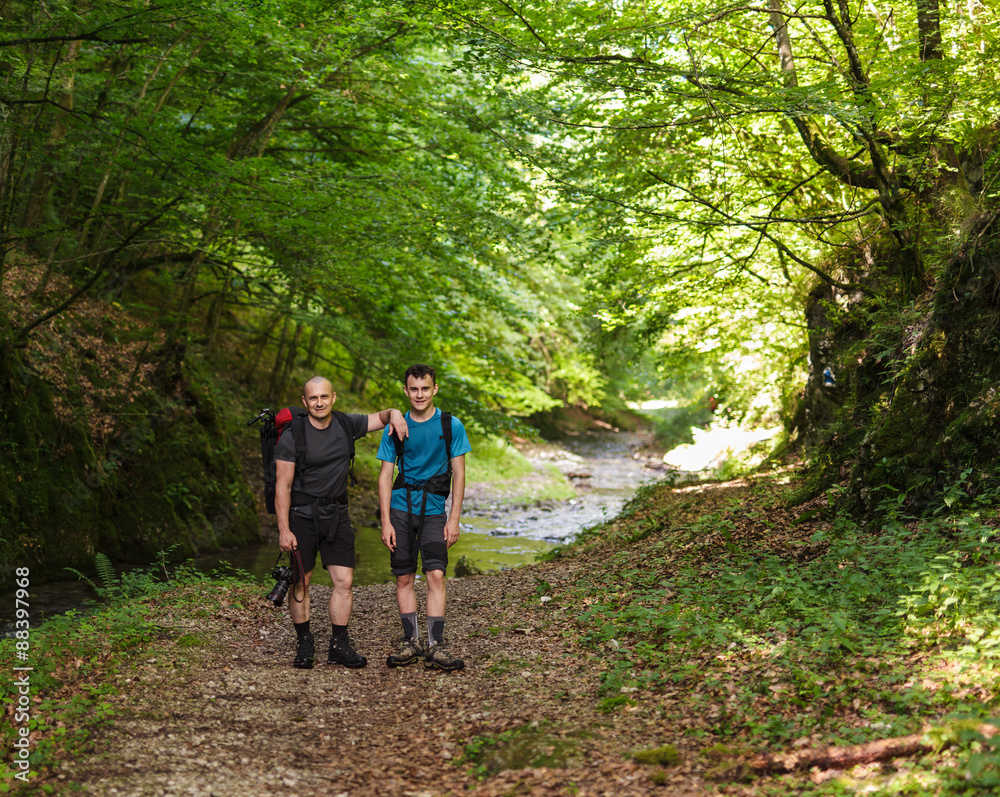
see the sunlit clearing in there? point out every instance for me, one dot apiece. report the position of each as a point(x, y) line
point(655, 404)
point(712, 446)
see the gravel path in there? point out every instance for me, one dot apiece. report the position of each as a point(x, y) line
point(231, 717)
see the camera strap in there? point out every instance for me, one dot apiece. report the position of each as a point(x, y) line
point(298, 575)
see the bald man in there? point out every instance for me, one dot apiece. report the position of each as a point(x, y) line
point(311, 506)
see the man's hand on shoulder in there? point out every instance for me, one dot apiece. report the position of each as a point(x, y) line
point(390, 417)
point(398, 424)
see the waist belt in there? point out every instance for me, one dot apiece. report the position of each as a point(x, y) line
point(303, 499)
point(435, 485)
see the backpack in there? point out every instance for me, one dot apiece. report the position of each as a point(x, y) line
point(435, 485)
point(273, 427)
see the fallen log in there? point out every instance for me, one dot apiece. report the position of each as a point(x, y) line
point(851, 755)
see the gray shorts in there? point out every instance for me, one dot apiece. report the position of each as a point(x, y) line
point(429, 541)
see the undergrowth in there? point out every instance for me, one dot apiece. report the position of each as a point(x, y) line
point(71, 657)
point(773, 632)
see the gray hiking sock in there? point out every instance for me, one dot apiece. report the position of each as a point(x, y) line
point(435, 629)
point(410, 628)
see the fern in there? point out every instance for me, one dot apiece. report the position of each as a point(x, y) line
point(132, 583)
point(82, 577)
point(109, 576)
point(111, 583)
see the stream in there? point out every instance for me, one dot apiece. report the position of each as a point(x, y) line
point(604, 469)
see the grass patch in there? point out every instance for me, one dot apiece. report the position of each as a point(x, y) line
point(494, 459)
point(75, 656)
point(517, 481)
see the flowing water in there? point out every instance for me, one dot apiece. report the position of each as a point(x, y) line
point(604, 469)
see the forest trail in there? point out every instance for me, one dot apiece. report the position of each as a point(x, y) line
point(232, 717)
point(218, 709)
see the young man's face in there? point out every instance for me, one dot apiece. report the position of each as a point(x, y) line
point(420, 391)
point(319, 399)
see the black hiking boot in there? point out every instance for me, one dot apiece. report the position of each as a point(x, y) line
point(305, 653)
point(412, 650)
point(342, 652)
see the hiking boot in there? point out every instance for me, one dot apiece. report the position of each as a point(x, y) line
point(305, 653)
point(342, 652)
point(410, 651)
point(437, 658)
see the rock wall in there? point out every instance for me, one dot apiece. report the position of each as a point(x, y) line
point(168, 477)
point(913, 412)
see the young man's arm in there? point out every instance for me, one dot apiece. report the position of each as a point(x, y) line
point(390, 417)
point(451, 530)
point(284, 473)
point(384, 498)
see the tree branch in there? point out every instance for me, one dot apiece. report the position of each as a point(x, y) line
point(761, 228)
point(22, 334)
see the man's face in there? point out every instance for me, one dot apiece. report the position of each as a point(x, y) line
point(319, 399)
point(420, 391)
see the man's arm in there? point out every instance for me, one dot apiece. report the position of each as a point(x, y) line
point(451, 530)
point(284, 473)
point(390, 417)
point(384, 499)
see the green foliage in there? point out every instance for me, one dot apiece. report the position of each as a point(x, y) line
point(145, 481)
point(111, 585)
point(857, 596)
point(138, 582)
point(673, 425)
point(466, 567)
point(610, 704)
point(978, 772)
point(914, 424)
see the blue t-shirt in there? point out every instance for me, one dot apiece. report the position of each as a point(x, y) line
point(424, 456)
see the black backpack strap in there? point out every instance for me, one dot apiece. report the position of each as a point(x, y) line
point(342, 420)
point(298, 428)
point(268, 437)
point(446, 433)
point(400, 445)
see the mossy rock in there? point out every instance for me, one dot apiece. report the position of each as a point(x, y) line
point(914, 413)
point(666, 756)
point(533, 745)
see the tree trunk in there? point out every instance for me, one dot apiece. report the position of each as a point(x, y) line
point(42, 184)
point(929, 30)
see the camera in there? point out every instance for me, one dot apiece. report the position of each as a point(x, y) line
point(284, 577)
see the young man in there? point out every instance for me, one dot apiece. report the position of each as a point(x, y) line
point(311, 507)
point(413, 516)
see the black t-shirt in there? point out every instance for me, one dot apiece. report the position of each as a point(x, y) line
point(328, 456)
